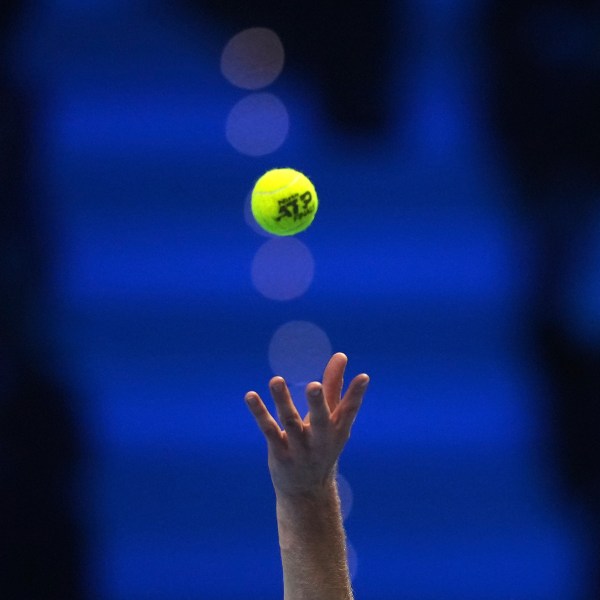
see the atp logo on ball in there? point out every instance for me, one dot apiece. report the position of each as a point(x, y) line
point(296, 207)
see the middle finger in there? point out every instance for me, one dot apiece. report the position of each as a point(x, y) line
point(286, 410)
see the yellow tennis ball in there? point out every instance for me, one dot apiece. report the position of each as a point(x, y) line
point(284, 201)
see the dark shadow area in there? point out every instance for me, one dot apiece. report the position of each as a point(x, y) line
point(42, 546)
point(345, 48)
point(545, 106)
point(41, 540)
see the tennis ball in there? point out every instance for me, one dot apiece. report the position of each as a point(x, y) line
point(284, 201)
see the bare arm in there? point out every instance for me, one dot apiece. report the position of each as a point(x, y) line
point(302, 461)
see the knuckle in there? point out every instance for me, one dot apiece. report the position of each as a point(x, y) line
point(270, 431)
point(292, 422)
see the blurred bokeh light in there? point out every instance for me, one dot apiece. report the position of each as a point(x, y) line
point(283, 269)
point(258, 124)
point(253, 58)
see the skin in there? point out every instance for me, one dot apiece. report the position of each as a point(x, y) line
point(303, 456)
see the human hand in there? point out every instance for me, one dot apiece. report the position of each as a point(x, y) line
point(303, 454)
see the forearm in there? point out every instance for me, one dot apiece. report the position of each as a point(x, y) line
point(302, 462)
point(313, 546)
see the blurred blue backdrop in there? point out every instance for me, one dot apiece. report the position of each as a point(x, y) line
point(423, 269)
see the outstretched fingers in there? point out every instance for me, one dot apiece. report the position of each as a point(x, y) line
point(326, 409)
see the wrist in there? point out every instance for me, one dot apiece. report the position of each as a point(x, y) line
point(314, 494)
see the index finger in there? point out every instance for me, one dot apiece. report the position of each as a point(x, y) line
point(265, 421)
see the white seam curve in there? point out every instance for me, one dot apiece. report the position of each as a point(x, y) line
point(281, 188)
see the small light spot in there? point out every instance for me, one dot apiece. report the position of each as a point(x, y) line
point(283, 269)
point(257, 125)
point(253, 58)
point(299, 351)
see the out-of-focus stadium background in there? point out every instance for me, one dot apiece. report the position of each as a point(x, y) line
point(455, 257)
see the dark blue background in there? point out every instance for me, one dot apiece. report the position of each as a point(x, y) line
point(421, 272)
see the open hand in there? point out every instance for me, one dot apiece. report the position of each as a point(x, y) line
point(303, 453)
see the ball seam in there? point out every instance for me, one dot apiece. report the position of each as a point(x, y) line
point(279, 189)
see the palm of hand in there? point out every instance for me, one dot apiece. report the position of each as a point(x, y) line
point(304, 453)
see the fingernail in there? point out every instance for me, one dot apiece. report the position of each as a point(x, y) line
point(314, 392)
point(251, 400)
point(277, 385)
